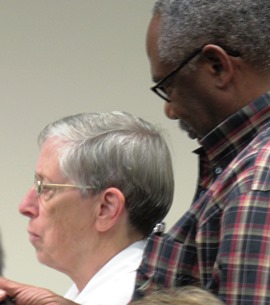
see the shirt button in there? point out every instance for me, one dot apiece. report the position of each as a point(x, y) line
point(201, 194)
point(218, 170)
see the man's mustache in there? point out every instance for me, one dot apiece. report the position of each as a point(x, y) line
point(187, 128)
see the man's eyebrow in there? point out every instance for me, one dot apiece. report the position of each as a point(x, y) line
point(156, 79)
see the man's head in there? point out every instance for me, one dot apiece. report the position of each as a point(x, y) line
point(96, 173)
point(212, 51)
point(237, 25)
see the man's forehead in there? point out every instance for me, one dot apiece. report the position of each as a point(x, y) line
point(152, 36)
point(158, 68)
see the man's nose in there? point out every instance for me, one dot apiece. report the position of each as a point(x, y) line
point(169, 111)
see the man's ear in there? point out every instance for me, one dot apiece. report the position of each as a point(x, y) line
point(111, 207)
point(220, 65)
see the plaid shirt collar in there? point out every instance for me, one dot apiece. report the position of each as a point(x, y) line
point(230, 136)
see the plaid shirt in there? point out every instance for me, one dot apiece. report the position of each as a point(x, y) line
point(222, 243)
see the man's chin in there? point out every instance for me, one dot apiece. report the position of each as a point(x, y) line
point(188, 129)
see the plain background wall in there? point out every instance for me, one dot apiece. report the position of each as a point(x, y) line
point(60, 57)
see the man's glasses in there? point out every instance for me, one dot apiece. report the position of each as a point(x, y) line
point(47, 190)
point(162, 88)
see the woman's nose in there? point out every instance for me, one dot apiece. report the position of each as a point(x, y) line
point(29, 204)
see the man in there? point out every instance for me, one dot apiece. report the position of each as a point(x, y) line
point(102, 182)
point(210, 61)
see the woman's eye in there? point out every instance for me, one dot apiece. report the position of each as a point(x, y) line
point(46, 189)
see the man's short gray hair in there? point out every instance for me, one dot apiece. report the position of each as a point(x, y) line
point(117, 150)
point(239, 25)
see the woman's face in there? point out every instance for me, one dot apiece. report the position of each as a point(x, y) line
point(61, 224)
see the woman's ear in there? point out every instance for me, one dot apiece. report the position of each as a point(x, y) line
point(110, 208)
point(219, 64)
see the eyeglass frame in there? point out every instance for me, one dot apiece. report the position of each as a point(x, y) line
point(39, 185)
point(157, 88)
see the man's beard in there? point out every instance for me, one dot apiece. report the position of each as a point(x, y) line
point(187, 128)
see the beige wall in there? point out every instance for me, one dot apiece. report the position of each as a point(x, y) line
point(60, 57)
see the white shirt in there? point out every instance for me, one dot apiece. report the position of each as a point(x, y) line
point(114, 283)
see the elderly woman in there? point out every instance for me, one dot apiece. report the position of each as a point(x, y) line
point(102, 182)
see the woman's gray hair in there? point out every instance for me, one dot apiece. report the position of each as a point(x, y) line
point(117, 150)
point(242, 26)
